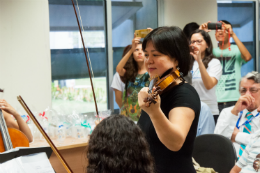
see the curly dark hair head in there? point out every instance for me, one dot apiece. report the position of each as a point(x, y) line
point(117, 145)
point(131, 66)
point(209, 51)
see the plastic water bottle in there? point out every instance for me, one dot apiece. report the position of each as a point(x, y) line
point(61, 133)
point(45, 125)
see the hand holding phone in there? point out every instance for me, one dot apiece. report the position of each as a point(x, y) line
point(193, 48)
point(210, 26)
point(215, 26)
point(142, 33)
point(195, 52)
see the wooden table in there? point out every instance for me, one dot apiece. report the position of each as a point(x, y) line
point(72, 150)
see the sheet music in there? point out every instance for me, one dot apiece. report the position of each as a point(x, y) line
point(36, 163)
point(12, 166)
point(28, 164)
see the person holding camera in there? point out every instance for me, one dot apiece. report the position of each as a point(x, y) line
point(206, 69)
point(134, 75)
point(231, 57)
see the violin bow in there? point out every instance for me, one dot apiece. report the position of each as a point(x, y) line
point(20, 99)
point(85, 52)
point(54, 149)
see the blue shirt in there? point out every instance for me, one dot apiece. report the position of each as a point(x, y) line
point(206, 123)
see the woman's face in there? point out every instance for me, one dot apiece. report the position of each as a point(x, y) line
point(198, 39)
point(157, 63)
point(138, 53)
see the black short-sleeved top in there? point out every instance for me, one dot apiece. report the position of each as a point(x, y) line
point(167, 161)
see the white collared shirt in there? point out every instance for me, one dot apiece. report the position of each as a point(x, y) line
point(117, 83)
point(249, 155)
point(227, 122)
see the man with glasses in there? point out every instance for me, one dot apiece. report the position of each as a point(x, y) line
point(231, 57)
point(239, 122)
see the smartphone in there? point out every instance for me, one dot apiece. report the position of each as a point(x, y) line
point(193, 48)
point(141, 33)
point(215, 26)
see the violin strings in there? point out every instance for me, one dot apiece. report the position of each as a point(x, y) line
point(85, 43)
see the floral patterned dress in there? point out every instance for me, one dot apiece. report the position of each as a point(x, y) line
point(130, 106)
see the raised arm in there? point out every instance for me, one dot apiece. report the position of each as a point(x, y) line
point(19, 124)
point(204, 27)
point(244, 52)
point(172, 132)
point(208, 81)
point(120, 67)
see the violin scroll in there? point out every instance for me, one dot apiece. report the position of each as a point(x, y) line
point(152, 97)
point(256, 164)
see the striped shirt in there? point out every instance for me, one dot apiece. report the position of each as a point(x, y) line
point(249, 155)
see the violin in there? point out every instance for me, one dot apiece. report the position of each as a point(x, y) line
point(256, 164)
point(162, 84)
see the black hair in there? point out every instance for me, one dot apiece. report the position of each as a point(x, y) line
point(189, 28)
point(209, 51)
point(118, 145)
point(171, 41)
point(227, 22)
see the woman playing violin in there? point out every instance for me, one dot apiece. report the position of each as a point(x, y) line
point(170, 125)
point(19, 124)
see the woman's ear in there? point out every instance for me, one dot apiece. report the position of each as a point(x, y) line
point(176, 62)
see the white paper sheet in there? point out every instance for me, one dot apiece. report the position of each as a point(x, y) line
point(12, 166)
point(28, 164)
point(36, 163)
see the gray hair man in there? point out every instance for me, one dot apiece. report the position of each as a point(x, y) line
point(239, 122)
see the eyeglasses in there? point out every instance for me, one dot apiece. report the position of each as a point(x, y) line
point(251, 90)
point(194, 41)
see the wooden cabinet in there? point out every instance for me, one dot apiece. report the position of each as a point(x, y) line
point(72, 150)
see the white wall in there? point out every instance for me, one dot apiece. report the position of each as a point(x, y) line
point(181, 12)
point(25, 67)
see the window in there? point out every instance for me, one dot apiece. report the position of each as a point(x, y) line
point(241, 14)
point(71, 89)
point(128, 16)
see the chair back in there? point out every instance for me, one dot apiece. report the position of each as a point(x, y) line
point(215, 151)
